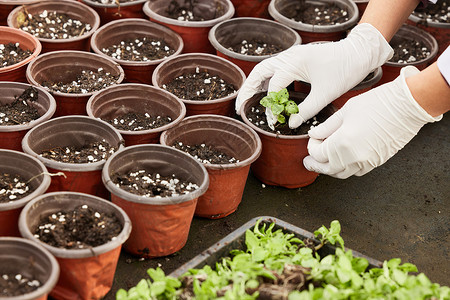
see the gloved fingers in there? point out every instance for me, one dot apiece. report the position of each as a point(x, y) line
point(349, 170)
point(271, 120)
point(295, 120)
point(327, 128)
point(312, 104)
point(316, 149)
point(314, 166)
point(279, 81)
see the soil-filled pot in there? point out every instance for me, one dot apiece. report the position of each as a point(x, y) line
point(6, 6)
point(226, 181)
point(65, 67)
point(86, 273)
point(160, 224)
point(11, 135)
point(251, 8)
point(16, 72)
point(35, 264)
point(140, 69)
point(76, 132)
point(79, 15)
point(251, 36)
point(191, 63)
point(122, 101)
point(284, 11)
point(112, 11)
point(33, 179)
point(193, 32)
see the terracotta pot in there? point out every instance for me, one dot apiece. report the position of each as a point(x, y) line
point(160, 225)
point(310, 33)
point(138, 98)
point(231, 32)
point(362, 5)
point(194, 33)
point(111, 12)
point(226, 181)
point(17, 71)
point(251, 8)
point(281, 159)
point(6, 6)
point(85, 273)
point(119, 30)
point(21, 256)
point(187, 63)
point(30, 169)
point(72, 131)
point(74, 9)
point(65, 66)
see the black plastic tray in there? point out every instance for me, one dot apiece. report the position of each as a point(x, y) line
point(236, 240)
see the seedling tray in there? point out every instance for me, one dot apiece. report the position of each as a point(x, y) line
point(236, 240)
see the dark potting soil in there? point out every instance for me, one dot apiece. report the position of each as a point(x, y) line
point(21, 110)
point(143, 183)
point(78, 228)
point(88, 153)
point(317, 14)
point(187, 11)
point(52, 25)
point(11, 54)
point(138, 121)
point(408, 51)
point(438, 12)
point(12, 285)
point(139, 49)
point(206, 154)
point(13, 187)
point(86, 82)
point(256, 48)
point(199, 86)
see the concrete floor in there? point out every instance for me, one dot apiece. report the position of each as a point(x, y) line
point(400, 209)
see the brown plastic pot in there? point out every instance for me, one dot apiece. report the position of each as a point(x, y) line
point(119, 30)
point(21, 256)
point(111, 12)
point(29, 168)
point(187, 63)
point(11, 135)
point(226, 181)
point(17, 71)
point(85, 273)
point(251, 8)
point(6, 6)
point(65, 66)
point(362, 5)
point(160, 225)
point(74, 9)
point(310, 33)
point(228, 33)
point(72, 131)
point(194, 33)
point(138, 98)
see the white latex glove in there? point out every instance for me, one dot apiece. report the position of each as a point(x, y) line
point(368, 130)
point(331, 68)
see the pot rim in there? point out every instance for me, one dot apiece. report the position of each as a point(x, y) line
point(18, 2)
point(96, 4)
point(417, 19)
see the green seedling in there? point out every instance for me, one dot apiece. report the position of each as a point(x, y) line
point(280, 105)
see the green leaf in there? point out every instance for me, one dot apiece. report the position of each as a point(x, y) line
point(281, 119)
point(282, 94)
point(157, 288)
point(277, 109)
point(121, 294)
point(291, 107)
point(266, 102)
point(251, 240)
point(156, 274)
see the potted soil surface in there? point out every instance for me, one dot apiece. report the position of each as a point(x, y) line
point(226, 147)
point(139, 112)
point(22, 107)
point(248, 41)
point(206, 83)
point(58, 25)
point(191, 19)
point(28, 270)
point(283, 149)
point(72, 77)
point(6, 6)
point(324, 20)
point(75, 148)
point(158, 187)
point(251, 8)
point(110, 10)
point(17, 48)
point(138, 45)
point(22, 178)
point(85, 233)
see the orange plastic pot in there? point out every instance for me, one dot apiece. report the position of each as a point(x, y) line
point(226, 181)
point(228, 33)
point(119, 30)
point(160, 225)
point(187, 63)
point(72, 131)
point(21, 256)
point(65, 66)
point(30, 169)
point(11, 135)
point(17, 71)
point(138, 98)
point(111, 12)
point(73, 9)
point(6, 6)
point(311, 33)
point(85, 273)
point(251, 8)
point(194, 33)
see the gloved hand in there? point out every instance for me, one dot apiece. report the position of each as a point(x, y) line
point(368, 130)
point(331, 68)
